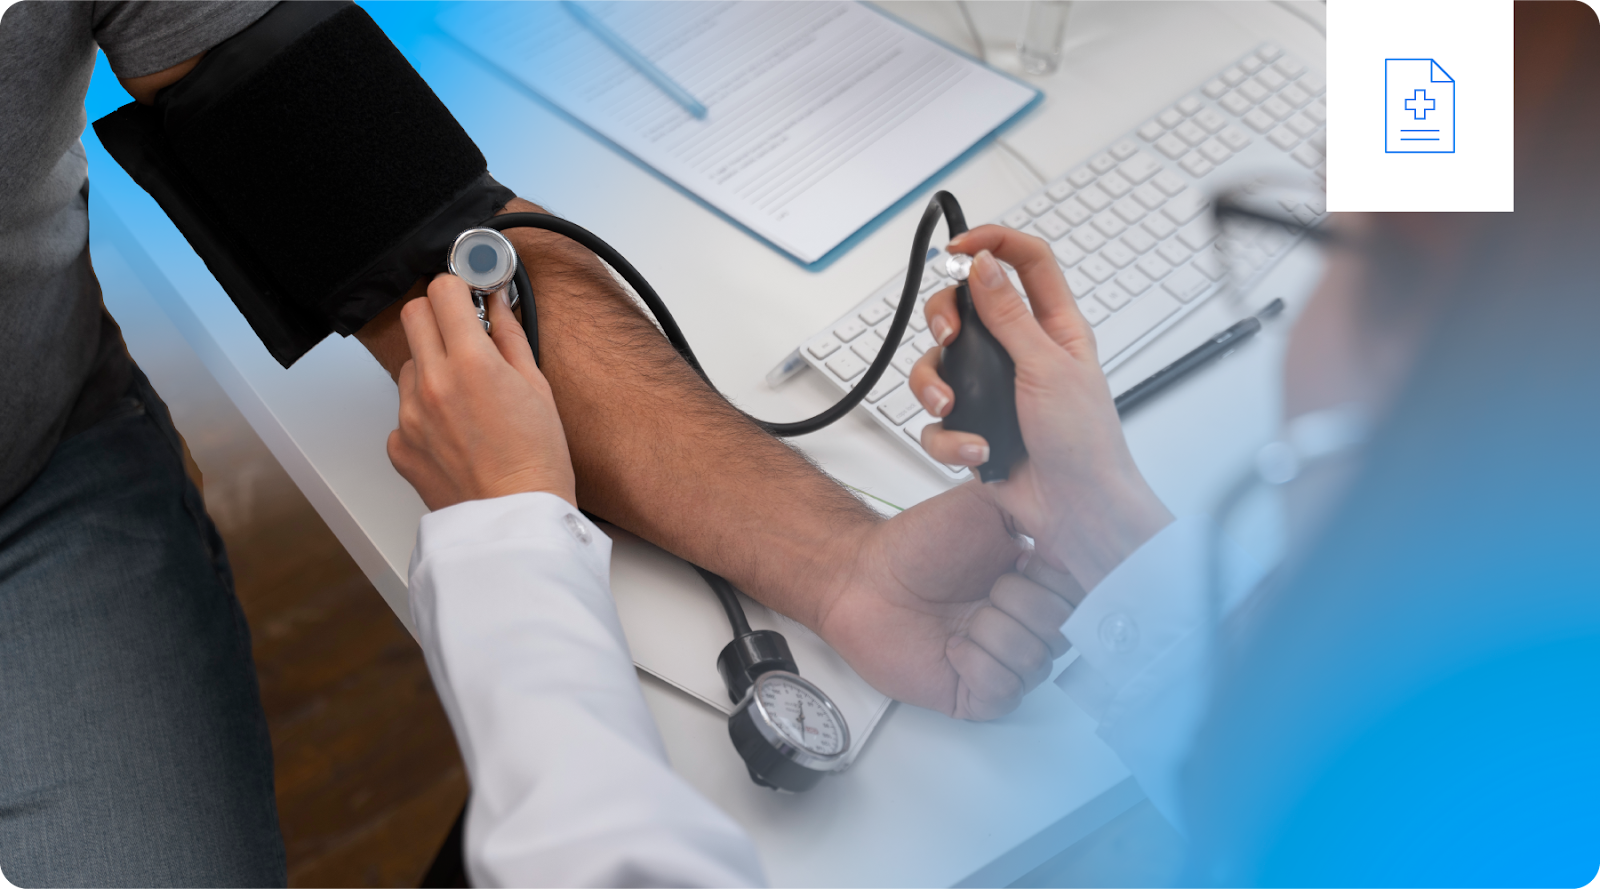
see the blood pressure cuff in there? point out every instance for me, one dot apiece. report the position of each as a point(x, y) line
point(311, 168)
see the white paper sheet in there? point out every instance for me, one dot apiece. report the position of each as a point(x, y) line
point(676, 628)
point(820, 115)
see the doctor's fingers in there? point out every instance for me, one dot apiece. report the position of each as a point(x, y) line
point(512, 341)
point(945, 445)
point(1014, 646)
point(1050, 298)
point(457, 318)
point(1036, 608)
point(422, 331)
point(1034, 567)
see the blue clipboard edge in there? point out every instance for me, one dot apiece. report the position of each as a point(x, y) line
point(855, 237)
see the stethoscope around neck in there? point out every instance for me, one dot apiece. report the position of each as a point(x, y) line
point(1309, 441)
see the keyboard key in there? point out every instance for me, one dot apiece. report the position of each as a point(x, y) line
point(1168, 181)
point(1209, 262)
point(1151, 131)
point(1139, 166)
point(1250, 64)
point(846, 366)
point(874, 313)
point(914, 426)
point(1271, 79)
point(1016, 218)
point(1123, 330)
point(1097, 269)
point(1170, 118)
point(1117, 254)
point(1188, 104)
point(1253, 91)
point(919, 323)
point(1154, 267)
point(1089, 239)
point(1171, 146)
point(1236, 103)
point(1190, 132)
point(866, 348)
point(1185, 207)
point(1290, 67)
point(1215, 151)
point(1150, 196)
point(1052, 226)
point(1196, 165)
point(900, 407)
point(1138, 240)
point(887, 383)
point(1109, 225)
point(1233, 76)
point(849, 330)
point(1081, 177)
point(1129, 209)
point(1059, 190)
point(1268, 52)
point(824, 347)
point(1197, 234)
point(1313, 84)
point(1277, 108)
point(930, 281)
point(1159, 226)
point(1316, 206)
point(1318, 112)
point(1079, 283)
point(905, 358)
point(1073, 212)
point(1113, 184)
point(1093, 198)
point(1303, 215)
point(1093, 311)
point(1301, 124)
point(1210, 120)
point(1186, 284)
point(1173, 251)
point(1214, 88)
point(1294, 95)
point(1283, 137)
point(1124, 149)
point(1234, 138)
point(1133, 281)
point(1274, 240)
point(1038, 204)
point(1307, 155)
point(923, 342)
point(1067, 253)
point(1102, 162)
point(1113, 297)
point(1259, 120)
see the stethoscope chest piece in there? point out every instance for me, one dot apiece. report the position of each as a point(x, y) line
point(485, 259)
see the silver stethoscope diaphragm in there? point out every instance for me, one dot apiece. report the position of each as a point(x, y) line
point(485, 259)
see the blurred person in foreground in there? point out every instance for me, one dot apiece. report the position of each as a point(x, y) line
point(1409, 700)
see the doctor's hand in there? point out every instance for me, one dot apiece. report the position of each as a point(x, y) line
point(1078, 493)
point(476, 416)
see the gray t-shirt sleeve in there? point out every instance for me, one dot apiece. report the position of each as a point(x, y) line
point(142, 38)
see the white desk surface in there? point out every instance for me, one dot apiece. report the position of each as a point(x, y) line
point(932, 801)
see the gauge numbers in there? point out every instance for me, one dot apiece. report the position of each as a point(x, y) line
point(801, 716)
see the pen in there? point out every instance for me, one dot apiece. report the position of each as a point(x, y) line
point(1204, 354)
point(636, 59)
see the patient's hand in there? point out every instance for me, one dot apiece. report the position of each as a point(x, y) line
point(476, 416)
point(928, 612)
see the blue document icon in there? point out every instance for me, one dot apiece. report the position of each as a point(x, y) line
point(1419, 110)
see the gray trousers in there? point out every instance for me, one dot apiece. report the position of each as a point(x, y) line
point(133, 749)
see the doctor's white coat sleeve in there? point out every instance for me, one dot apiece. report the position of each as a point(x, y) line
point(1143, 668)
point(570, 781)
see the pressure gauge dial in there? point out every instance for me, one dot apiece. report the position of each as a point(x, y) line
point(788, 732)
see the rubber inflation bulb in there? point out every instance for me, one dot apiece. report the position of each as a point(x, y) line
point(984, 378)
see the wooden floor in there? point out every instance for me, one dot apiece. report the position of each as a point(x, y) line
point(368, 776)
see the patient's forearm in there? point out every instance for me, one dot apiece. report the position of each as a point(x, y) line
point(656, 451)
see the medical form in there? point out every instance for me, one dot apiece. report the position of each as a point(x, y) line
point(820, 116)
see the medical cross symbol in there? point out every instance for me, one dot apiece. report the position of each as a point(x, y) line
point(1415, 105)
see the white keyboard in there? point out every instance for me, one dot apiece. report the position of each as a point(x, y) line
point(1130, 227)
